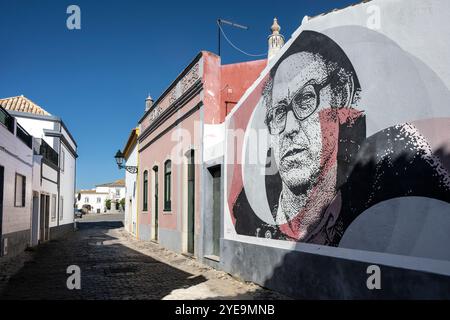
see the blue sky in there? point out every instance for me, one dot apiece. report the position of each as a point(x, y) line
point(97, 78)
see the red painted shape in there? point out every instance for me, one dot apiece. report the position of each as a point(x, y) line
point(224, 85)
point(240, 121)
point(235, 80)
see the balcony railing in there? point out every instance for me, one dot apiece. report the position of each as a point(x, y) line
point(48, 152)
point(7, 120)
point(23, 135)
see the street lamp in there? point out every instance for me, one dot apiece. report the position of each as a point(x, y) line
point(119, 160)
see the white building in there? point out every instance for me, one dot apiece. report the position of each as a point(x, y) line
point(94, 200)
point(45, 191)
point(130, 153)
point(16, 173)
point(54, 164)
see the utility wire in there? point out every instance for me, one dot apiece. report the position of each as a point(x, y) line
point(235, 47)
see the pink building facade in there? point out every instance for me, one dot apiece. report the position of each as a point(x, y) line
point(181, 149)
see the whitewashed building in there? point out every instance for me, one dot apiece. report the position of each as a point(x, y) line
point(54, 166)
point(16, 173)
point(130, 154)
point(94, 200)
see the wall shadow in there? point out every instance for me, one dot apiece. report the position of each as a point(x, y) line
point(405, 172)
point(109, 270)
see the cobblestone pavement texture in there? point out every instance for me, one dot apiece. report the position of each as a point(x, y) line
point(114, 265)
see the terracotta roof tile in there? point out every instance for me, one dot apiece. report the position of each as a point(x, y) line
point(91, 192)
point(22, 104)
point(117, 183)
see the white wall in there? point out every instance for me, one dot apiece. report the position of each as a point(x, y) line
point(131, 194)
point(68, 138)
point(36, 127)
point(15, 157)
point(92, 200)
point(50, 188)
point(400, 54)
point(104, 193)
point(112, 192)
point(67, 186)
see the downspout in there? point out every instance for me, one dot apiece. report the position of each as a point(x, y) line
point(59, 179)
point(137, 184)
point(74, 189)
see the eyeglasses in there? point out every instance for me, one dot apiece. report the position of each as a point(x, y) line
point(303, 104)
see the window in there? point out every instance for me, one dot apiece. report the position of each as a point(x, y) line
point(61, 208)
point(167, 185)
point(99, 200)
point(145, 190)
point(53, 207)
point(134, 189)
point(86, 199)
point(19, 195)
point(63, 157)
point(118, 192)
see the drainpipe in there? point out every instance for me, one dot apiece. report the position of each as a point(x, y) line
point(59, 180)
point(137, 184)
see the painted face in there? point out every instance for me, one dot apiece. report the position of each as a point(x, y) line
point(300, 91)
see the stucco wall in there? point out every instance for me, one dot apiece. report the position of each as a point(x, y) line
point(92, 200)
point(36, 128)
point(170, 142)
point(131, 190)
point(67, 187)
point(15, 157)
point(362, 162)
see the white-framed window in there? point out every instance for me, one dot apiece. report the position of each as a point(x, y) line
point(20, 191)
point(53, 207)
point(61, 208)
point(86, 199)
point(99, 200)
point(62, 160)
point(118, 192)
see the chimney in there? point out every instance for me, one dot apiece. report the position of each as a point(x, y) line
point(148, 103)
point(276, 40)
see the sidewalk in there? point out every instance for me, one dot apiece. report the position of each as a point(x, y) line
point(114, 265)
point(218, 284)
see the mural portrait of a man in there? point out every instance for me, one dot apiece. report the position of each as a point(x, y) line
point(303, 103)
point(328, 170)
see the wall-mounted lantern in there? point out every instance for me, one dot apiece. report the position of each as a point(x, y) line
point(120, 160)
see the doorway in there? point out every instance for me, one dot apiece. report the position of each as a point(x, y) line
point(44, 218)
point(216, 203)
point(190, 202)
point(155, 203)
point(35, 220)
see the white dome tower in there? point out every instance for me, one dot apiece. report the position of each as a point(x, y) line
point(148, 103)
point(276, 40)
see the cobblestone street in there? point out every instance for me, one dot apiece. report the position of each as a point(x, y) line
point(116, 266)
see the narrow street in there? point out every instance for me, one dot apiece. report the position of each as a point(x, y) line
point(116, 266)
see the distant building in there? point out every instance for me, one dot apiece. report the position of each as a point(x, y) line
point(94, 200)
